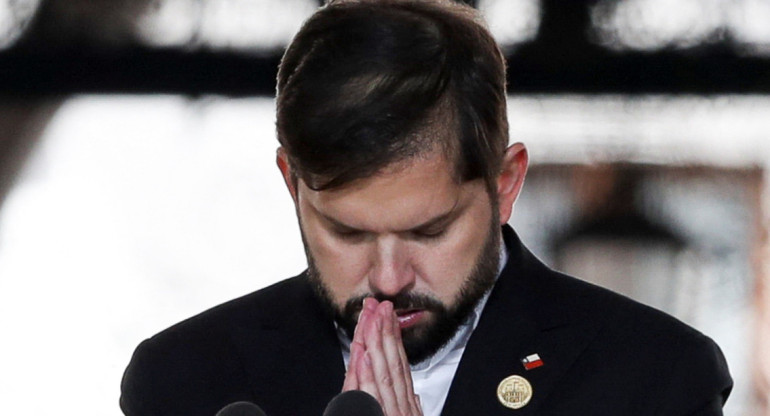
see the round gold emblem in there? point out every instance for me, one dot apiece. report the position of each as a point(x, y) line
point(514, 392)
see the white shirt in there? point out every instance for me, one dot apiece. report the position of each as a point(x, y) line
point(432, 377)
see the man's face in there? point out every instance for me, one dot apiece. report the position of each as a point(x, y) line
point(412, 235)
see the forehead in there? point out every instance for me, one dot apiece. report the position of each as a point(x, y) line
point(398, 198)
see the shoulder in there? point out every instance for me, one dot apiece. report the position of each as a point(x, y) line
point(629, 320)
point(552, 296)
point(198, 359)
point(648, 350)
point(254, 309)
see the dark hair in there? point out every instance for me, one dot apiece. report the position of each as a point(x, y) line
point(365, 84)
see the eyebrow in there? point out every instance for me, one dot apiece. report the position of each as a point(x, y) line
point(439, 219)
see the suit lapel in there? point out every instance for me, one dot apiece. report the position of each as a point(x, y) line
point(525, 314)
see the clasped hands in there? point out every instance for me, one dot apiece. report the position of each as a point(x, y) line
point(378, 363)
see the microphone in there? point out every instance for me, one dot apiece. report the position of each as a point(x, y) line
point(353, 403)
point(241, 409)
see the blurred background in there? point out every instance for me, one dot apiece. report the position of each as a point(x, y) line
point(138, 184)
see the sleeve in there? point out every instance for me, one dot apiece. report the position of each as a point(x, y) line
point(136, 387)
point(712, 408)
point(183, 374)
point(699, 381)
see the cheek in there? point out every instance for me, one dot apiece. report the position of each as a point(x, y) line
point(341, 267)
point(445, 267)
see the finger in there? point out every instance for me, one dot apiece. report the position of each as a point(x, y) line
point(357, 348)
point(397, 366)
point(366, 378)
point(375, 356)
point(387, 373)
point(417, 408)
point(351, 377)
point(413, 399)
point(370, 303)
point(402, 354)
point(363, 317)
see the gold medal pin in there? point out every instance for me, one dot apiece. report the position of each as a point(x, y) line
point(514, 392)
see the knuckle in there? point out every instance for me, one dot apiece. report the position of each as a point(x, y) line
point(397, 367)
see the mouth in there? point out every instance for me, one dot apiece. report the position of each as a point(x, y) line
point(409, 317)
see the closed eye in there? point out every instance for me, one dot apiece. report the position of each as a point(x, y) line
point(429, 234)
point(349, 234)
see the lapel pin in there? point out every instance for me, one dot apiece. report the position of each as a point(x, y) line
point(532, 361)
point(514, 392)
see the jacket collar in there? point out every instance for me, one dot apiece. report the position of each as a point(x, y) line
point(530, 311)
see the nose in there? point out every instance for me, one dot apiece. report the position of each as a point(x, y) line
point(391, 272)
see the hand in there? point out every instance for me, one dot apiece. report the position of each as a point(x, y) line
point(378, 363)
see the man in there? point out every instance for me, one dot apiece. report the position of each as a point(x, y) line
point(394, 148)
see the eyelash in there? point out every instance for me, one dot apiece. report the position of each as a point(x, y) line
point(350, 235)
point(430, 234)
point(419, 235)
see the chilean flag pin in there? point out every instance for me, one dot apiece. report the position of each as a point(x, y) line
point(531, 362)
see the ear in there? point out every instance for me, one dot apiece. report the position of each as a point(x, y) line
point(282, 160)
point(511, 179)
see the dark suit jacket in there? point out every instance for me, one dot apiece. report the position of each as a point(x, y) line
point(603, 354)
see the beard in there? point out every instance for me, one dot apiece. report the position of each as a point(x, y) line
point(425, 339)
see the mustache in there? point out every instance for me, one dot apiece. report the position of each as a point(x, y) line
point(400, 301)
